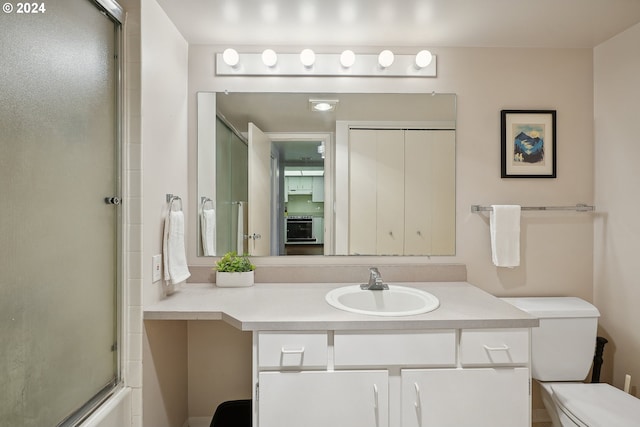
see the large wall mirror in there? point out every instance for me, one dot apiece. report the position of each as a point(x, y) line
point(326, 173)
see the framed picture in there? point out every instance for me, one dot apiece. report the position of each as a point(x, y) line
point(528, 143)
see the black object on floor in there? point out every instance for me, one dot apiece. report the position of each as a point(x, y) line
point(232, 413)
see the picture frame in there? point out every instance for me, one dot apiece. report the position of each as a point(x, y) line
point(528, 143)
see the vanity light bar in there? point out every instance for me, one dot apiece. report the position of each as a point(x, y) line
point(326, 64)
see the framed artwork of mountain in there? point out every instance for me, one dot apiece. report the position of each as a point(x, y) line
point(528, 143)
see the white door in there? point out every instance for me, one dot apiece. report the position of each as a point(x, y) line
point(418, 193)
point(390, 192)
point(465, 397)
point(362, 191)
point(323, 399)
point(259, 209)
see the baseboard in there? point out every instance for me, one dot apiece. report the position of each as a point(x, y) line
point(199, 422)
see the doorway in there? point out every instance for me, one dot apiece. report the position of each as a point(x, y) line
point(300, 193)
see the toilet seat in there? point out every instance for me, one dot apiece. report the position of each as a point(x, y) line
point(596, 405)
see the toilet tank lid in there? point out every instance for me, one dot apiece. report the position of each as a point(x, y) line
point(554, 307)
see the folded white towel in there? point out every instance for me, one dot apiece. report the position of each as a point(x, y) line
point(240, 231)
point(208, 229)
point(505, 235)
point(175, 259)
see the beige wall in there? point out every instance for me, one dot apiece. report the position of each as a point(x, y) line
point(163, 113)
point(617, 182)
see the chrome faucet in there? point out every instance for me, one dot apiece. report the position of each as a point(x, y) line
point(375, 281)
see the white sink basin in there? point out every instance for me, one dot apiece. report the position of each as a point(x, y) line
point(395, 301)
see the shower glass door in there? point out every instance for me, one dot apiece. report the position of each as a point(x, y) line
point(59, 244)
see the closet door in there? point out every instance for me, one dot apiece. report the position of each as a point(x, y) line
point(419, 186)
point(362, 191)
point(390, 184)
point(443, 197)
point(429, 192)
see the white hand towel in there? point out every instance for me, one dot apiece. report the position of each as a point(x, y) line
point(175, 259)
point(208, 229)
point(240, 233)
point(505, 235)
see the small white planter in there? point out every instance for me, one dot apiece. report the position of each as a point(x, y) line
point(234, 280)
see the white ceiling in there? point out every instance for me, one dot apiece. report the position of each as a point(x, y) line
point(429, 23)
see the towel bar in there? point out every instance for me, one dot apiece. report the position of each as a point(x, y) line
point(204, 200)
point(171, 198)
point(580, 207)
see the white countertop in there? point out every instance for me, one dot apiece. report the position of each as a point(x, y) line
point(302, 306)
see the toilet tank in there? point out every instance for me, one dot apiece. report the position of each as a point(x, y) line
point(562, 347)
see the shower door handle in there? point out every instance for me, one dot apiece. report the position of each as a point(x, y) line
point(113, 200)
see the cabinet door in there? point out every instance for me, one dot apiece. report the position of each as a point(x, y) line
point(317, 193)
point(323, 399)
point(465, 397)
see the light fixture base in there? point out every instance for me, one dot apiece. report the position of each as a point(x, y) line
point(326, 64)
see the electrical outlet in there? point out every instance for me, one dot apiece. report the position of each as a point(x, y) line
point(156, 268)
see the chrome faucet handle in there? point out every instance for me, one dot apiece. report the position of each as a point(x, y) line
point(375, 281)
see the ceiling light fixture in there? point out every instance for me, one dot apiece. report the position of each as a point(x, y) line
point(385, 58)
point(269, 58)
point(423, 59)
point(308, 58)
point(231, 57)
point(323, 105)
point(347, 59)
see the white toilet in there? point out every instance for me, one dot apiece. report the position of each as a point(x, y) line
point(562, 350)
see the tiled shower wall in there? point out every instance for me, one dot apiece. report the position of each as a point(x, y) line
point(132, 211)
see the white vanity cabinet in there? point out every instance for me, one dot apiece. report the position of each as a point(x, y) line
point(411, 378)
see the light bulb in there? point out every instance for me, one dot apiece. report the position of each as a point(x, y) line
point(307, 57)
point(231, 57)
point(385, 59)
point(269, 58)
point(347, 58)
point(423, 58)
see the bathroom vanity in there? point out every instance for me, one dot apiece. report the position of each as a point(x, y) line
point(464, 364)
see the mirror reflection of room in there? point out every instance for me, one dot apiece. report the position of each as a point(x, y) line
point(309, 188)
point(303, 198)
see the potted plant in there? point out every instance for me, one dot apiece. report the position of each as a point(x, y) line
point(233, 270)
